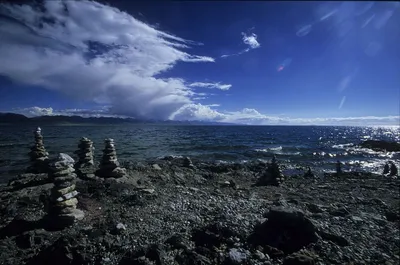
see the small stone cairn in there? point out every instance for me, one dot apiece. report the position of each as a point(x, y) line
point(85, 153)
point(273, 175)
point(38, 155)
point(62, 208)
point(109, 165)
point(338, 168)
point(187, 162)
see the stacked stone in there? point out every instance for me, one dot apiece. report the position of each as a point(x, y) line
point(273, 175)
point(109, 165)
point(85, 153)
point(62, 209)
point(38, 155)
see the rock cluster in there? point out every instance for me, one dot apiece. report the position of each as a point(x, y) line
point(38, 155)
point(85, 153)
point(109, 165)
point(62, 209)
point(273, 175)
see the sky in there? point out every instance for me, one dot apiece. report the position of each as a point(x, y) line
point(245, 62)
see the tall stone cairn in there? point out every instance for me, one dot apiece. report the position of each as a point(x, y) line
point(273, 175)
point(109, 165)
point(62, 209)
point(38, 155)
point(85, 153)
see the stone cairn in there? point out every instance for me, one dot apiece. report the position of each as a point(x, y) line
point(273, 175)
point(85, 165)
point(109, 165)
point(62, 208)
point(338, 168)
point(85, 153)
point(38, 155)
point(187, 162)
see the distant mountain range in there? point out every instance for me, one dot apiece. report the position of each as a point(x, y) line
point(13, 118)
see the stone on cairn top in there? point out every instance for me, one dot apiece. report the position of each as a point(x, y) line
point(38, 154)
point(62, 210)
point(109, 165)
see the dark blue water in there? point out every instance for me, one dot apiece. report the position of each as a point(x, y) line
point(317, 146)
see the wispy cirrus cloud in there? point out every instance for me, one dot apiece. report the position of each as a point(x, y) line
point(90, 51)
point(211, 85)
point(248, 39)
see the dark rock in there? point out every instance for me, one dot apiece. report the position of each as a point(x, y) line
point(29, 180)
point(337, 239)
point(273, 252)
point(62, 252)
point(212, 235)
point(286, 229)
point(31, 238)
point(236, 257)
point(176, 242)
point(342, 212)
point(392, 216)
point(188, 257)
point(298, 259)
point(381, 145)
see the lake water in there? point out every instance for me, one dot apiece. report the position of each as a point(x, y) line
point(316, 146)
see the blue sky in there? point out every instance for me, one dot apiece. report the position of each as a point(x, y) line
point(242, 62)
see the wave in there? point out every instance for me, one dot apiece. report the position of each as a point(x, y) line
point(266, 150)
point(342, 146)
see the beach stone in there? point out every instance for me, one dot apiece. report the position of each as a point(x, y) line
point(236, 256)
point(298, 259)
point(156, 167)
point(38, 155)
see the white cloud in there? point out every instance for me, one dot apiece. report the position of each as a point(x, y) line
point(247, 116)
point(91, 51)
point(39, 111)
point(253, 117)
point(250, 40)
point(197, 112)
point(35, 111)
point(211, 85)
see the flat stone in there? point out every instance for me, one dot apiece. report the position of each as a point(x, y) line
point(62, 185)
point(67, 178)
point(156, 167)
point(68, 203)
point(56, 210)
point(148, 191)
point(67, 196)
point(61, 192)
point(63, 160)
point(65, 172)
point(75, 213)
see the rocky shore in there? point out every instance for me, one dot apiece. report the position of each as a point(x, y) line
point(177, 211)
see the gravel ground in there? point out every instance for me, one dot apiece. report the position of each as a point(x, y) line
point(210, 214)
